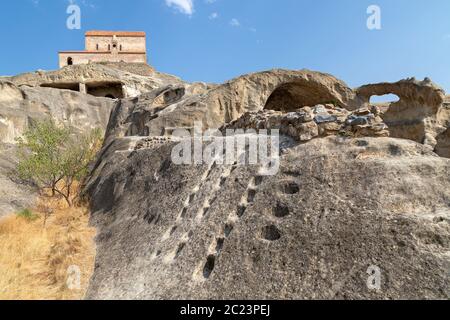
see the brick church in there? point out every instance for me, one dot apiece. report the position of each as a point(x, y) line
point(108, 46)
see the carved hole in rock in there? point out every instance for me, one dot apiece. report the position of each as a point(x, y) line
point(105, 88)
point(362, 143)
point(179, 250)
point(394, 150)
point(173, 230)
point(209, 266)
point(222, 181)
point(290, 187)
point(295, 95)
point(281, 210)
point(220, 243)
point(228, 229)
point(251, 195)
point(150, 217)
point(241, 210)
point(258, 180)
point(271, 233)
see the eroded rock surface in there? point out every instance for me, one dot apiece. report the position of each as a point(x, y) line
point(216, 105)
point(130, 79)
point(415, 115)
point(350, 195)
point(420, 115)
point(19, 107)
point(336, 207)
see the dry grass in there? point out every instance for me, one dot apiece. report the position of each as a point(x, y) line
point(35, 255)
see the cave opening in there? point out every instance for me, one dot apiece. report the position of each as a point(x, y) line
point(108, 89)
point(73, 86)
point(295, 95)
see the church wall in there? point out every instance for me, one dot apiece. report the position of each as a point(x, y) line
point(129, 44)
point(86, 57)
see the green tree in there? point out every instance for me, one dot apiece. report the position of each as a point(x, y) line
point(54, 157)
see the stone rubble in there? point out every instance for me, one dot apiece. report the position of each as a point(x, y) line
point(308, 123)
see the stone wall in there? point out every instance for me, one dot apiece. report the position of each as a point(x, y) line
point(100, 56)
point(129, 44)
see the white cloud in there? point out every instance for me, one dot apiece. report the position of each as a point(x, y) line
point(213, 16)
point(235, 22)
point(86, 3)
point(184, 6)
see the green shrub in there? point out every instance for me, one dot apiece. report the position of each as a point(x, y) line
point(54, 157)
point(27, 214)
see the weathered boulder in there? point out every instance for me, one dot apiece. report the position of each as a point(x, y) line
point(215, 105)
point(19, 107)
point(100, 79)
point(14, 194)
point(414, 116)
point(338, 208)
point(417, 116)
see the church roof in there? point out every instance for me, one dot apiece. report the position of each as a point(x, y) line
point(98, 33)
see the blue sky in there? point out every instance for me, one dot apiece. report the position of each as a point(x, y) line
point(216, 40)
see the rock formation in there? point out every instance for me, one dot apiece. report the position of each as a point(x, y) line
point(308, 123)
point(418, 116)
point(414, 117)
point(19, 107)
point(359, 186)
point(120, 79)
point(337, 207)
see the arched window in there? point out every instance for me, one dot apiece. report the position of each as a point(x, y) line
point(120, 47)
point(69, 61)
point(109, 47)
point(97, 46)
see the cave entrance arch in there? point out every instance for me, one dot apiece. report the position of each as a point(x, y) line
point(292, 96)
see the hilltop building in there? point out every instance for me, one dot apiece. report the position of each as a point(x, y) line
point(108, 46)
